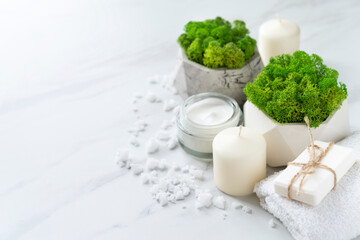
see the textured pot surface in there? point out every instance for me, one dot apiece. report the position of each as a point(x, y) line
point(285, 142)
point(192, 78)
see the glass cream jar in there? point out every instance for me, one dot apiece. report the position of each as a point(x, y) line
point(201, 117)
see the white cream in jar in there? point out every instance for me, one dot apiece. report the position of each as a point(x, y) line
point(201, 117)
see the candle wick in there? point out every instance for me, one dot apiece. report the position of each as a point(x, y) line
point(278, 17)
point(240, 130)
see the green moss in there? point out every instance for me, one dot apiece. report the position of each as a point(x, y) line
point(231, 48)
point(291, 87)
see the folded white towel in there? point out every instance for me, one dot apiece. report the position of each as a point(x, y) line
point(336, 217)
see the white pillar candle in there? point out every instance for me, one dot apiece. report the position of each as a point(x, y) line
point(239, 156)
point(278, 36)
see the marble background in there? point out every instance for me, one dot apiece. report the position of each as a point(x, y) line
point(68, 73)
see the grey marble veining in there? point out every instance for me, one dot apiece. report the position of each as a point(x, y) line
point(69, 70)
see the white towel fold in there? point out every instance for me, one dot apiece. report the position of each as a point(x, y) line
point(336, 217)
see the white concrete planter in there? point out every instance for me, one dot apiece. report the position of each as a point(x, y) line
point(193, 78)
point(285, 142)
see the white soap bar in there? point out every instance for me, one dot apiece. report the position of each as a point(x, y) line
point(317, 185)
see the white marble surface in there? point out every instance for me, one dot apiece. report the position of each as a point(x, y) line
point(68, 73)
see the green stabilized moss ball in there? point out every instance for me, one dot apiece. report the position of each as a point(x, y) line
point(216, 43)
point(291, 87)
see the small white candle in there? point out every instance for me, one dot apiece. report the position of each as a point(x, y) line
point(239, 156)
point(278, 36)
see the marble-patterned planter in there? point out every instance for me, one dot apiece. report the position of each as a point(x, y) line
point(192, 78)
point(285, 142)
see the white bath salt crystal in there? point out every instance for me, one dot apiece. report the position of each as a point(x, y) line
point(173, 120)
point(175, 181)
point(140, 125)
point(186, 191)
point(151, 97)
point(176, 167)
point(169, 105)
point(162, 165)
point(272, 223)
point(138, 95)
point(152, 163)
point(203, 200)
point(137, 169)
point(122, 157)
point(176, 110)
point(144, 178)
point(174, 91)
point(219, 202)
point(198, 174)
point(154, 80)
point(172, 144)
point(185, 169)
point(162, 198)
point(247, 210)
point(237, 205)
point(133, 141)
point(154, 173)
point(135, 109)
point(171, 188)
point(179, 195)
point(171, 198)
point(163, 135)
point(134, 101)
point(166, 124)
point(153, 180)
point(152, 146)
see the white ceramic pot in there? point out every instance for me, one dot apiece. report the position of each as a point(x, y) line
point(285, 142)
point(193, 78)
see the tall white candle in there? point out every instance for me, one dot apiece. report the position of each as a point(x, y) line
point(239, 157)
point(278, 36)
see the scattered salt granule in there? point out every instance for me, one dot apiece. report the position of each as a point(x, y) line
point(175, 167)
point(198, 174)
point(174, 91)
point(140, 125)
point(122, 157)
point(138, 95)
point(185, 169)
point(154, 80)
point(186, 191)
point(162, 198)
point(166, 124)
point(134, 101)
point(162, 165)
point(135, 109)
point(152, 163)
point(151, 97)
point(136, 168)
point(152, 146)
point(163, 135)
point(144, 178)
point(219, 202)
point(272, 223)
point(203, 199)
point(247, 210)
point(237, 205)
point(169, 105)
point(133, 141)
point(176, 110)
point(179, 195)
point(172, 144)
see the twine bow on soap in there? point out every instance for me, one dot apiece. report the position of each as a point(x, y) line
point(313, 163)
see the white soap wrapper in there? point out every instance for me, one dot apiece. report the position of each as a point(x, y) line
point(318, 184)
